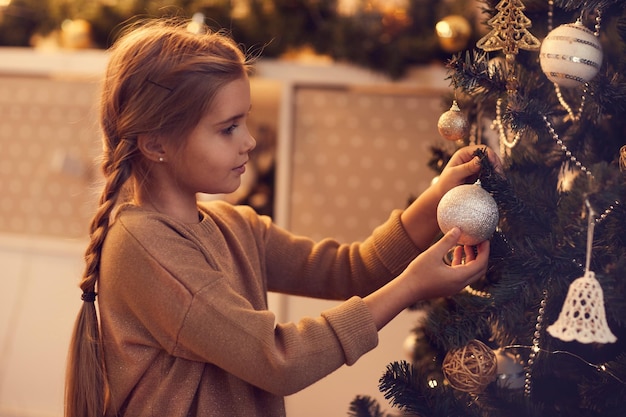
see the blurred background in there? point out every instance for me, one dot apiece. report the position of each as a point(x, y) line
point(346, 99)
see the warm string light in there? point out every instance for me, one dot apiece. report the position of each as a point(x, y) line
point(599, 367)
point(472, 134)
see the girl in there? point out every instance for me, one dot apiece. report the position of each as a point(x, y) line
point(184, 328)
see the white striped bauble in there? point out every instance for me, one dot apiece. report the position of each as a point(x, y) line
point(570, 55)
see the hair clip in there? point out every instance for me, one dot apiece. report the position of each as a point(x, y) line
point(159, 85)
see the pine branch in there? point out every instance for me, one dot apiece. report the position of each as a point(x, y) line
point(473, 74)
point(407, 388)
point(587, 6)
point(366, 407)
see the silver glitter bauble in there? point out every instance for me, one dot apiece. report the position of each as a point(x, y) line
point(453, 124)
point(470, 208)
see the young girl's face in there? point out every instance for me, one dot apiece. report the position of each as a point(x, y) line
point(216, 151)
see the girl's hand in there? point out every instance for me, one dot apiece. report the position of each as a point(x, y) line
point(464, 168)
point(431, 277)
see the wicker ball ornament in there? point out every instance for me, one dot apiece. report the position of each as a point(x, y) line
point(470, 208)
point(570, 55)
point(470, 368)
point(453, 125)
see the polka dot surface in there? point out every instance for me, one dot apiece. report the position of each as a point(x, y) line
point(361, 153)
point(45, 119)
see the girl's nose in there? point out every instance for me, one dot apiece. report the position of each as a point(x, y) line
point(250, 143)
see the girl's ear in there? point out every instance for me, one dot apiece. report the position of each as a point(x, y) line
point(151, 147)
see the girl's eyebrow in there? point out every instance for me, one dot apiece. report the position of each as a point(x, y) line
point(235, 117)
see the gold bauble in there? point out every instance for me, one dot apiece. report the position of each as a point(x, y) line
point(453, 124)
point(453, 32)
point(76, 34)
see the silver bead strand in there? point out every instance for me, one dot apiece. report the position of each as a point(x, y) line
point(535, 349)
point(567, 152)
point(606, 212)
point(550, 15)
point(598, 22)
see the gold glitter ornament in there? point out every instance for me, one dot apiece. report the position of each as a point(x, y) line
point(453, 124)
point(470, 208)
point(76, 34)
point(510, 30)
point(453, 33)
point(571, 55)
point(470, 368)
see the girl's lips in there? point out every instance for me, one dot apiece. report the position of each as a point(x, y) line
point(240, 169)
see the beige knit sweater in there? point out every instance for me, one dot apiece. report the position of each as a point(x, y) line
point(184, 316)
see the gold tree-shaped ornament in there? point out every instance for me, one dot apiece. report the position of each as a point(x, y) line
point(509, 34)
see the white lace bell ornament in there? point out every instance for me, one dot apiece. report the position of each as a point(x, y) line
point(582, 316)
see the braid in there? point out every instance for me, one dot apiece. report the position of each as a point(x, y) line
point(117, 172)
point(86, 378)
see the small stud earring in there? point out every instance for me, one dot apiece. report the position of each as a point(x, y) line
point(161, 159)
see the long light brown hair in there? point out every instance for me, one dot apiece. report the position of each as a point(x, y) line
point(160, 80)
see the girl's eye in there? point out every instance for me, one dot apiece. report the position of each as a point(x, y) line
point(229, 130)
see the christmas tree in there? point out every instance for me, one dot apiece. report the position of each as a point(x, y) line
point(544, 332)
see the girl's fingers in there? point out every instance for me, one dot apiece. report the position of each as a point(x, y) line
point(470, 255)
point(457, 259)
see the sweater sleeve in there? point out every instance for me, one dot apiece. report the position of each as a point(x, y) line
point(282, 358)
point(329, 269)
point(354, 328)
